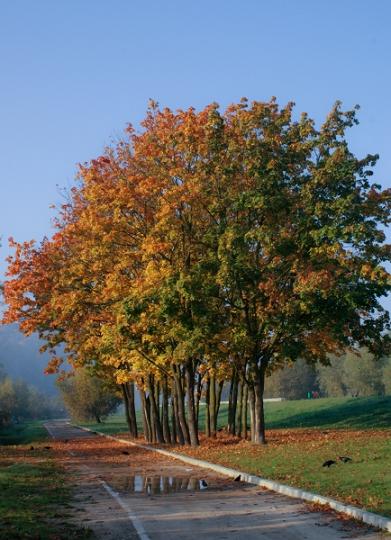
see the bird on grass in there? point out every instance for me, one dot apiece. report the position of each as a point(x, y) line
point(31, 448)
point(204, 484)
point(237, 479)
point(125, 452)
point(344, 459)
point(47, 447)
point(328, 463)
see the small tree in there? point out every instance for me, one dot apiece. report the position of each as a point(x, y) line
point(87, 397)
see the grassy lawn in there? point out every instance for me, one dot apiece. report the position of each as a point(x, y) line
point(302, 435)
point(34, 493)
point(23, 433)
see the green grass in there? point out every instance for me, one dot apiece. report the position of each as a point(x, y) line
point(23, 433)
point(35, 496)
point(354, 413)
point(365, 482)
point(336, 413)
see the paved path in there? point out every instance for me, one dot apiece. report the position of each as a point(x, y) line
point(126, 492)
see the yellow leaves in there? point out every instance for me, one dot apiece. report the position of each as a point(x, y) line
point(366, 270)
point(122, 376)
point(376, 274)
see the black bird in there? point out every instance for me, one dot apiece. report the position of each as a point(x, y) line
point(47, 447)
point(237, 479)
point(345, 459)
point(125, 452)
point(204, 484)
point(31, 448)
point(328, 463)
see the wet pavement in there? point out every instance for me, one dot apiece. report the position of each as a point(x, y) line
point(128, 492)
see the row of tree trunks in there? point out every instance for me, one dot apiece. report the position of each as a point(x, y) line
point(171, 406)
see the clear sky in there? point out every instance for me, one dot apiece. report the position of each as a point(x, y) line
point(74, 72)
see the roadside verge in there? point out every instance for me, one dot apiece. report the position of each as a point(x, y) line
point(369, 518)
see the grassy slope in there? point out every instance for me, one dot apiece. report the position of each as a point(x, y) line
point(355, 413)
point(33, 490)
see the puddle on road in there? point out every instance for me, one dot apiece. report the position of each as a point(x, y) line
point(160, 485)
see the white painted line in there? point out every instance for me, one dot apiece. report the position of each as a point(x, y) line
point(48, 430)
point(370, 518)
point(133, 518)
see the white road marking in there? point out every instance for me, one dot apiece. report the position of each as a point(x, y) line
point(133, 518)
point(49, 430)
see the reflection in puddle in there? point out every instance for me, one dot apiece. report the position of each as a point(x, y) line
point(155, 485)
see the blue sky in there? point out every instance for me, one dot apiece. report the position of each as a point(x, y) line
point(74, 72)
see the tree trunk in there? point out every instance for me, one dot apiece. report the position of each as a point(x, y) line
point(165, 412)
point(155, 418)
point(233, 397)
point(218, 400)
point(198, 395)
point(132, 405)
point(212, 405)
point(181, 405)
point(238, 429)
point(178, 429)
point(192, 414)
point(207, 409)
point(126, 405)
point(244, 410)
point(156, 387)
point(259, 387)
point(146, 415)
point(251, 400)
point(174, 439)
point(130, 410)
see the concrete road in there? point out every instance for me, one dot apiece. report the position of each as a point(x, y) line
point(127, 492)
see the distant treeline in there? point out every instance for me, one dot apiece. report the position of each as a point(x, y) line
point(348, 375)
point(19, 401)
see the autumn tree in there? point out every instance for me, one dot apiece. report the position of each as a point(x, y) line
point(209, 247)
point(86, 397)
